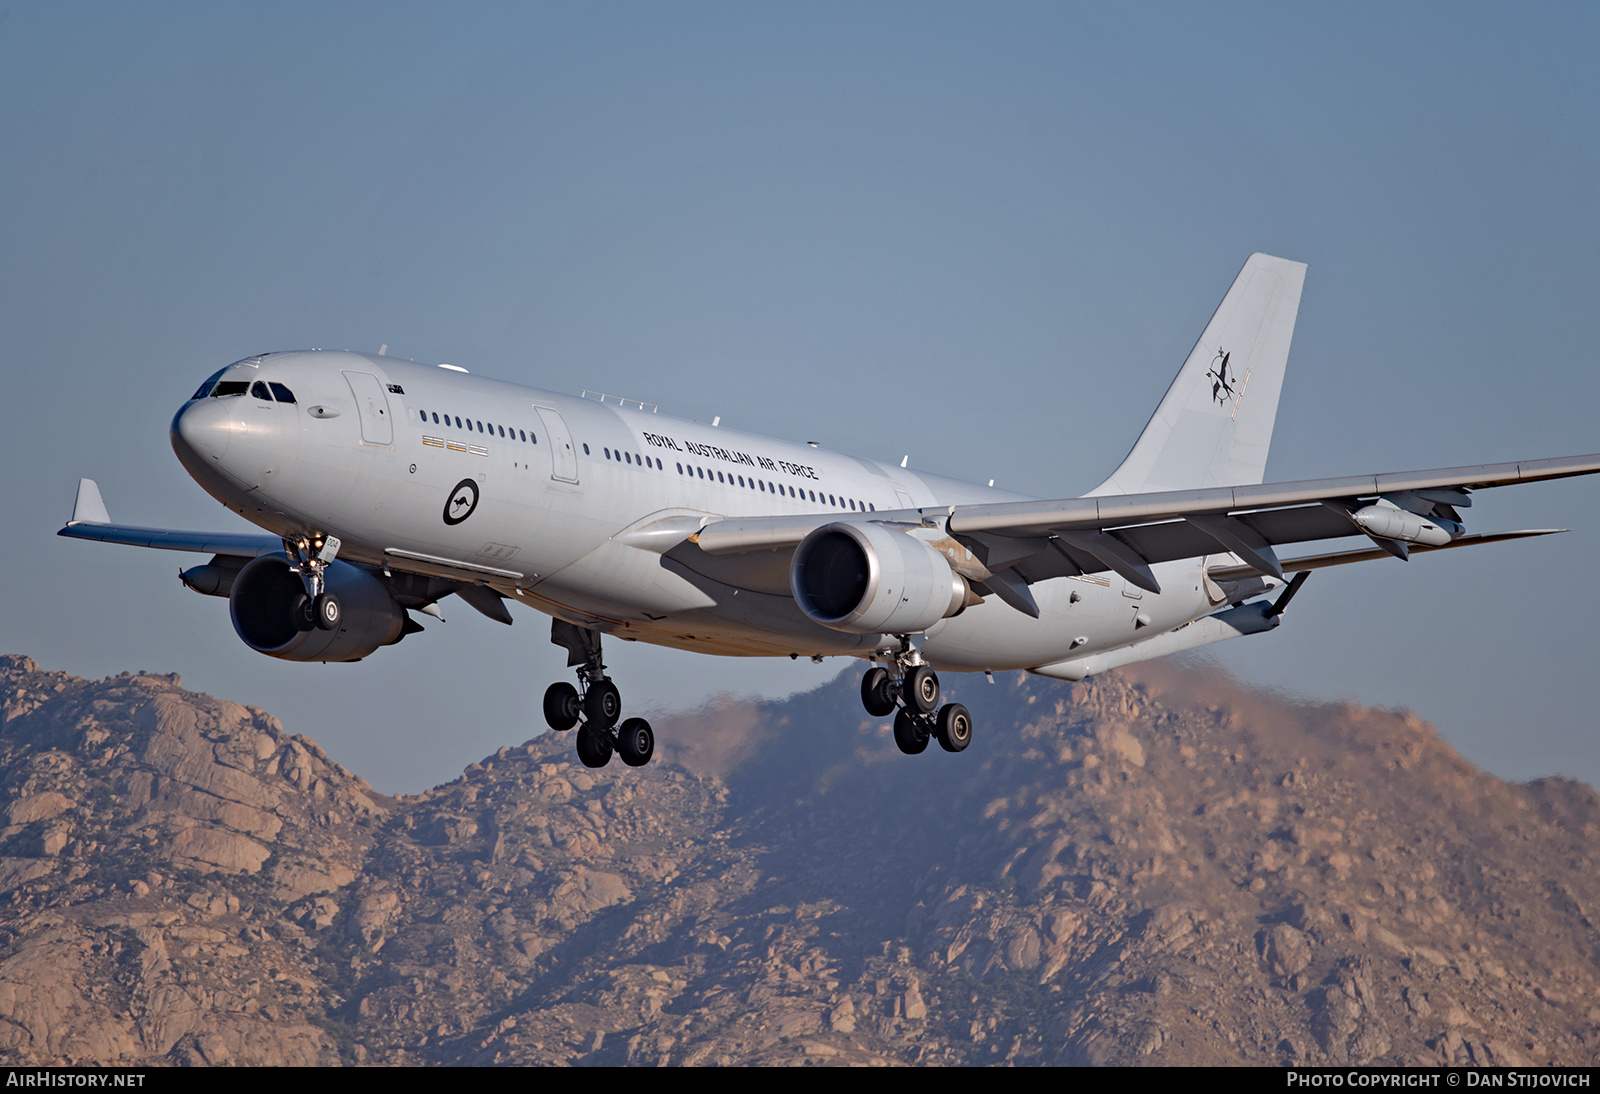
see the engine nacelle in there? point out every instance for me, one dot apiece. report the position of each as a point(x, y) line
point(266, 593)
point(865, 578)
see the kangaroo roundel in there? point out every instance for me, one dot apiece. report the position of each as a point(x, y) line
point(463, 500)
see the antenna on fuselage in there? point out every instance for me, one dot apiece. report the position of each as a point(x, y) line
point(383, 349)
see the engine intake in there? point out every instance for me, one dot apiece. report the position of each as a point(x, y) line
point(267, 593)
point(865, 578)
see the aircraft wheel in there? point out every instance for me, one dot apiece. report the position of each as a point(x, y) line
point(603, 704)
point(921, 689)
point(877, 692)
point(636, 742)
point(303, 614)
point(561, 706)
point(594, 747)
point(327, 612)
point(910, 733)
point(955, 727)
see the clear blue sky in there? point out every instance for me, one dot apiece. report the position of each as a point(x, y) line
point(981, 235)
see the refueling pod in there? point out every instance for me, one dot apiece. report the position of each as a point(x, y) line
point(267, 594)
point(1391, 522)
point(866, 578)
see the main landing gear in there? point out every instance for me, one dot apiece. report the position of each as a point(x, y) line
point(598, 706)
point(909, 681)
point(318, 608)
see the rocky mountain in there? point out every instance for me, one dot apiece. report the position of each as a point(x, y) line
point(1159, 866)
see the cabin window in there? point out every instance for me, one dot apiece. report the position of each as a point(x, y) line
point(585, 450)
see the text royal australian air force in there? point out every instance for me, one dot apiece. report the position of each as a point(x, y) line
point(733, 456)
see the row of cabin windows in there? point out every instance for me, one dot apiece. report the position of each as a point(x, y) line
point(730, 479)
point(630, 458)
point(512, 434)
point(767, 487)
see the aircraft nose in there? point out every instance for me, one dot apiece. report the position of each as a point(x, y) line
point(203, 427)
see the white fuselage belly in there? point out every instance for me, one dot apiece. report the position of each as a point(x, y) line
point(554, 544)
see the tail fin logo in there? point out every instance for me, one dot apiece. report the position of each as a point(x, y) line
point(1222, 379)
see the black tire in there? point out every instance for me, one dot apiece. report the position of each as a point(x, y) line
point(602, 706)
point(302, 615)
point(327, 612)
point(955, 727)
point(921, 689)
point(910, 733)
point(877, 692)
point(561, 706)
point(636, 742)
point(594, 747)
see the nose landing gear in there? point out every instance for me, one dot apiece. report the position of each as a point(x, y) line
point(318, 608)
point(905, 678)
point(598, 705)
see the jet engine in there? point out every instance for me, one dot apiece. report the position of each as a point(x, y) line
point(267, 594)
point(866, 578)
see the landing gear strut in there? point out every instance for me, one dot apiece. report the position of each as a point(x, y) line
point(318, 608)
point(906, 678)
point(598, 705)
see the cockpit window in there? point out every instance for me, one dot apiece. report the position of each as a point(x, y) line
point(259, 390)
point(205, 388)
point(230, 387)
point(281, 393)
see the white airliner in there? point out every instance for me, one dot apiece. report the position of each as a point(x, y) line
point(387, 485)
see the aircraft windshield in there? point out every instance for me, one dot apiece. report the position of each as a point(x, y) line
point(205, 388)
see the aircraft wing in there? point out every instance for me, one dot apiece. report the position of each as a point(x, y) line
point(91, 521)
point(1127, 533)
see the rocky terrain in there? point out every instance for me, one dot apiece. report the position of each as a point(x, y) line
point(1159, 867)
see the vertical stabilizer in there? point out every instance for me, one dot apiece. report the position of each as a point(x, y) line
point(1214, 426)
